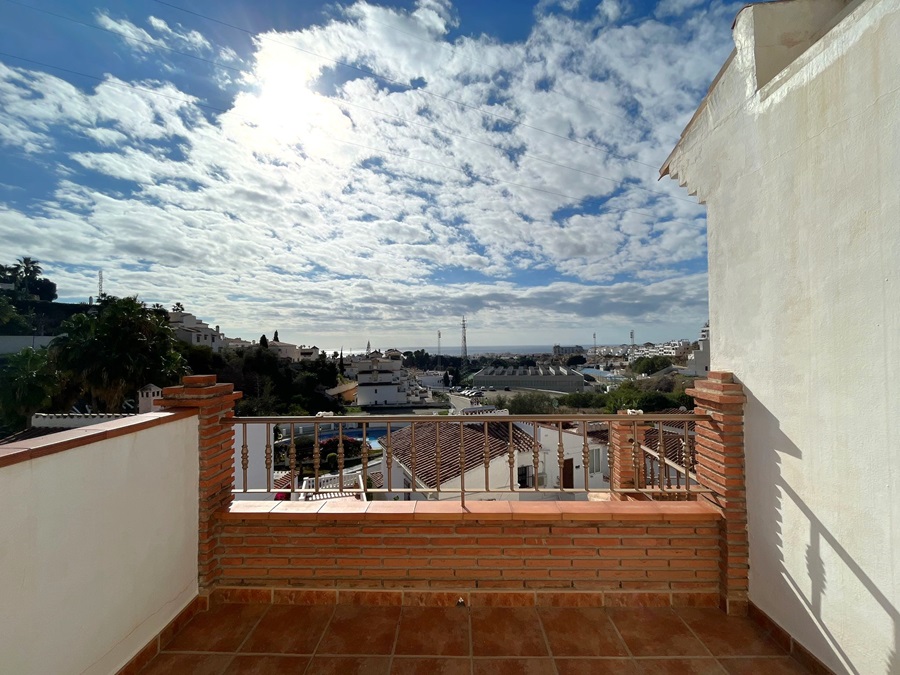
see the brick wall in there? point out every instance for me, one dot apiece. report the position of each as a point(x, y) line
point(648, 559)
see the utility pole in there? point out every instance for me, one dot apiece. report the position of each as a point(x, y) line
point(100, 284)
point(439, 351)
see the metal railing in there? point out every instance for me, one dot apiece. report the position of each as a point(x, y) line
point(485, 457)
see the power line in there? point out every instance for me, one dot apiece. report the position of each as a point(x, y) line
point(469, 175)
point(399, 83)
point(346, 103)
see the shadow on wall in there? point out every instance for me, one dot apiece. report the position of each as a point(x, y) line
point(770, 491)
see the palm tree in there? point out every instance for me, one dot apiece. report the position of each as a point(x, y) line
point(28, 270)
point(177, 307)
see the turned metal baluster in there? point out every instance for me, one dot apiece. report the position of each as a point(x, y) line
point(317, 456)
point(661, 453)
point(389, 449)
point(412, 451)
point(340, 457)
point(292, 460)
point(487, 459)
point(585, 456)
point(512, 459)
point(437, 455)
point(610, 459)
point(462, 466)
point(268, 457)
point(535, 455)
point(245, 456)
point(636, 453)
point(365, 456)
point(686, 458)
point(561, 456)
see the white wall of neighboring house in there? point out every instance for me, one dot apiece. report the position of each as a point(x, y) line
point(98, 535)
point(796, 154)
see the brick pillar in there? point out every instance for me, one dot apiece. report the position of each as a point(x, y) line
point(214, 403)
point(720, 467)
point(621, 455)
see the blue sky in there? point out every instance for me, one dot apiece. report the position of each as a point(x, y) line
point(346, 172)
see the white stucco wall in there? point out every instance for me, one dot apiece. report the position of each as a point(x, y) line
point(800, 180)
point(98, 550)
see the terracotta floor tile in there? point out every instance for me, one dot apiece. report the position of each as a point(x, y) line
point(358, 629)
point(779, 665)
point(507, 631)
point(221, 629)
point(349, 665)
point(581, 631)
point(596, 667)
point(187, 664)
point(514, 667)
point(289, 629)
point(267, 665)
point(436, 631)
point(656, 632)
point(417, 665)
point(668, 666)
point(729, 635)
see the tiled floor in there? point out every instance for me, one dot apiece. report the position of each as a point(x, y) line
point(347, 639)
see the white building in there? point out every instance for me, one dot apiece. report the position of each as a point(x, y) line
point(698, 361)
point(383, 380)
point(146, 395)
point(188, 328)
point(236, 343)
point(796, 152)
point(547, 378)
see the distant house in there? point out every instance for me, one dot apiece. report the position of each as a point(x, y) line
point(188, 328)
point(462, 454)
point(384, 381)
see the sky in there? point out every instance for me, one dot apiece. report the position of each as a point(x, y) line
point(352, 172)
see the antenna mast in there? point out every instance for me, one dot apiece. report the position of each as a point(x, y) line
point(464, 352)
point(100, 284)
point(439, 351)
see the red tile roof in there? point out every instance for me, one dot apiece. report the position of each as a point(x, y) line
point(473, 435)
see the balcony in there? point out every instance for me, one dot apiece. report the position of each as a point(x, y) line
point(328, 572)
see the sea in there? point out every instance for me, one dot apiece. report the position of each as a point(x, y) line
point(473, 350)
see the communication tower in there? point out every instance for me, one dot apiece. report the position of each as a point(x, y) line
point(100, 284)
point(464, 351)
point(439, 351)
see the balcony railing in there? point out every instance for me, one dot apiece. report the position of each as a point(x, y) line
point(484, 457)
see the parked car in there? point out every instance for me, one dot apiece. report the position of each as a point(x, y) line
point(505, 388)
point(491, 388)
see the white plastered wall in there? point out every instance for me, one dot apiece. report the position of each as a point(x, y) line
point(98, 550)
point(801, 183)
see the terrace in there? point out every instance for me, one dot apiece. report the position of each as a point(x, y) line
point(155, 562)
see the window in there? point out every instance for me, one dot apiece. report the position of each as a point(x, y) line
point(596, 460)
point(526, 476)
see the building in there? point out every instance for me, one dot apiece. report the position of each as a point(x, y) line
point(546, 378)
point(188, 328)
point(795, 152)
point(469, 439)
point(559, 350)
point(384, 381)
point(698, 361)
point(146, 397)
point(236, 343)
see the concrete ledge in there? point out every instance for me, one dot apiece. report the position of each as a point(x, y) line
point(22, 451)
point(327, 510)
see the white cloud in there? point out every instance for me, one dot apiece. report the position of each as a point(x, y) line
point(330, 220)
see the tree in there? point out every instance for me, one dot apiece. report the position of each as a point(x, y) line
point(27, 270)
point(576, 360)
point(111, 354)
point(446, 379)
point(44, 289)
point(264, 341)
point(11, 322)
point(274, 337)
point(27, 384)
point(646, 365)
point(177, 307)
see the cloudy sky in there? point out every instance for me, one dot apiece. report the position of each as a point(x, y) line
point(354, 171)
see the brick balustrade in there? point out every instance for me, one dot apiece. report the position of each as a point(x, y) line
point(632, 552)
